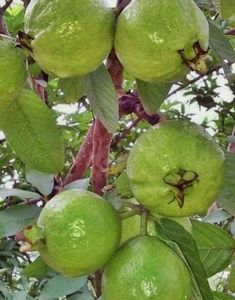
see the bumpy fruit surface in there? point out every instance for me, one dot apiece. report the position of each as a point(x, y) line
point(176, 169)
point(12, 71)
point(146, 268)
point(70, 38)
point(82, 232)
point(150, 34)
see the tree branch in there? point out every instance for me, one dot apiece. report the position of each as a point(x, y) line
point(5, 6)
point(101, 145)
point(83, 159)
point(121, 4)
point(26, 3)
point(3, 27)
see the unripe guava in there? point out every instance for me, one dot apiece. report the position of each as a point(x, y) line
point(146, 268)
point(228, 11)
point(12, 71)
point(70, 38)
point(151, 37)
point(176, 169)
point(82, 232)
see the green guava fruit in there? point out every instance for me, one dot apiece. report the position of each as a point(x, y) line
point(152, 37)
point(146, 268)
point(69, 38)
point(12, 71)
point(81, 232)
point(176, 169)
point(228, 11)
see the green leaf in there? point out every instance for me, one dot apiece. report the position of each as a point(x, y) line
point(37, 269)
point(70, 90)
point(183, 238)
point(81, 184)
point(152, 95)
point(216, 216)
point(123, 187)
point(14, 18)
point(21, 295)
point(227, 195)
point(231, 281)
point(103, 98)
point(220, 44)
point(42, 181)
point(34, 233)
point(60, 286)
point(215, 246)
point(222, 296)
point(14, 219)
point(83, 295)
point(31, 130)
point(22, 194)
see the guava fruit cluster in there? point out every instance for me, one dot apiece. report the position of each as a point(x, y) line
point(154, 40)
point(80, 233)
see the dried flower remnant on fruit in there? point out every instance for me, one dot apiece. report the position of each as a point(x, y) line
point(185, 179)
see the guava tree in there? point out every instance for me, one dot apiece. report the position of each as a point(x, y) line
point(108, 187)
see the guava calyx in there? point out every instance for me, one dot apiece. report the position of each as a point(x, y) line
point(180, 180)
point(198, 62)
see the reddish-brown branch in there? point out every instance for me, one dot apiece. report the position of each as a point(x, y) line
point(3, 27)
point(5, 6)
point(26, 3)
point(115, 69)
point(102, 138)
point(231, 146)
point(121, 4)
point(101, 145)
point(83, 159)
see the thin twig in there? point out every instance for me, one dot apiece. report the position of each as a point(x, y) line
point(216, 68)
point(124, 133)
point(5, 6)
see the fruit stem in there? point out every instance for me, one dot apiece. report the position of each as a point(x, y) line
point(128, 214)
point(143, 224)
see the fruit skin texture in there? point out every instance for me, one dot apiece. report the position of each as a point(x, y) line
point(149, 35)
point(146, 268)
point(228, 11)
point(162, 152)
point(12, 71)
point(71, 38)
point(82, 232)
